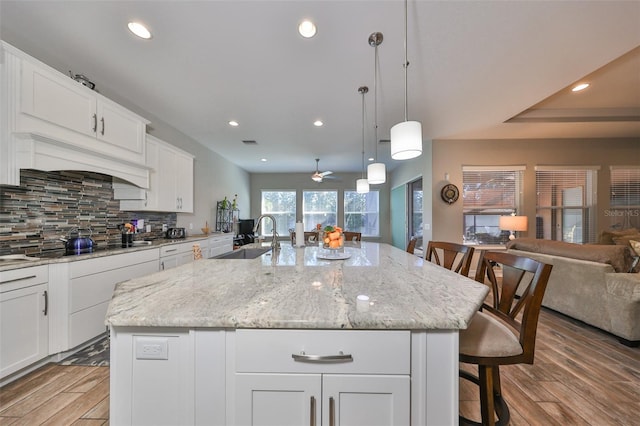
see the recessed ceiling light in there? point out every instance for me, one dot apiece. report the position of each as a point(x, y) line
point(233, 123)
point(307, 29)
point(318, 123)
point(371, 159)
point(140, 30)
point(580, 87)
point(263, 160)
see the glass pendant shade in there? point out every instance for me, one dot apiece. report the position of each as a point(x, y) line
point(376, 173)
point(406, 140)
point(362, 186)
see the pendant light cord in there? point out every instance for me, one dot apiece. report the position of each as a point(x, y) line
point(375, 103)
point(406, 64)
point(363, 90)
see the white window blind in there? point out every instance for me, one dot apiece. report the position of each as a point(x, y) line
point(624, 198)
point(566, 203)
point(488, 193)
point(282, 206)
point(319, 208)
point(362, 213)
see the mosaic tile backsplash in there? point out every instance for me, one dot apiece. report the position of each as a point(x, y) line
point(48, 205)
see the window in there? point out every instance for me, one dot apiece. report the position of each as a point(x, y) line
point(281, 205)
point(362, 213)
point(624, 198)
point(565, 203)
point(319, 207)
point(488, 193)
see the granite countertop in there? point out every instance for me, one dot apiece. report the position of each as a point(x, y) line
point(10, 263)
point(297, 289)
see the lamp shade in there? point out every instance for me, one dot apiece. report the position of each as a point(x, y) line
point(513, 223)
point(406, 140)
point(362, 186)
point(376, 173)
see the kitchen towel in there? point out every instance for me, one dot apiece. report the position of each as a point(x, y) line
point(299, 234)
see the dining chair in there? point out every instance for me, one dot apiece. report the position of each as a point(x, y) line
point(309, 236)
point(352, 236)
point(450, 252)
point(503, 332)
point(411, 247)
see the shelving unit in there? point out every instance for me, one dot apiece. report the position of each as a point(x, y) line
point(226, 217)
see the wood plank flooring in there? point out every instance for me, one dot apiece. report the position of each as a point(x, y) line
point(581, 376)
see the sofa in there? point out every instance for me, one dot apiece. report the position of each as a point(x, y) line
point(598, 284)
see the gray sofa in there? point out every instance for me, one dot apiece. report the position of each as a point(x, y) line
point(590, 283)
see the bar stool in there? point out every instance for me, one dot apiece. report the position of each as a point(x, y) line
point(495, 335)
point(450, 252)
point(352, 236)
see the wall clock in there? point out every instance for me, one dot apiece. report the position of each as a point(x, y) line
point(450, 193)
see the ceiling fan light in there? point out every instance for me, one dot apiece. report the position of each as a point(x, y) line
point(362, 186)
point(376, 173)
point(406, 140)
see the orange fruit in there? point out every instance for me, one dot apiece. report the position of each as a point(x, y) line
point(334, 244)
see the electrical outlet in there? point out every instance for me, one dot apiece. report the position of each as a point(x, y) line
point(191, 226)
point(164, 227)
point(152, 348)
point(148, 228)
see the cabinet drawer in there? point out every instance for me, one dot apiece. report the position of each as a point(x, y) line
point(372, 351)
point(178, 248)
point(114, 262)
point(24, 277)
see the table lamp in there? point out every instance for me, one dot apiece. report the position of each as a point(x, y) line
point(513, 223)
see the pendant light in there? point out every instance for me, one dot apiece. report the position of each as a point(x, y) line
point(362, 184)
point(376, 172)
point(406, 137)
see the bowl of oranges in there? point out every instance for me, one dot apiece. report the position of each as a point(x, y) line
point(332, 238)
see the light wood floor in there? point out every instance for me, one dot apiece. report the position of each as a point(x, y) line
point(581, 376)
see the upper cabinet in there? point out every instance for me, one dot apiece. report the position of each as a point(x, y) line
point(70, 111)
point(170, 181)
point(52, 122)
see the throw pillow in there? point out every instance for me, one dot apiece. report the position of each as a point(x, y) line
point(607, 237)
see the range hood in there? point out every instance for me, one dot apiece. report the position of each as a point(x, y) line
point(36, 151)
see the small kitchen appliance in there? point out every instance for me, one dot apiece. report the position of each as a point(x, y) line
point(176, 233)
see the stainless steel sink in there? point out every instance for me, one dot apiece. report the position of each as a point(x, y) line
point(248, 253)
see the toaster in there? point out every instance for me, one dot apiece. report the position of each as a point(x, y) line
point(175, 233)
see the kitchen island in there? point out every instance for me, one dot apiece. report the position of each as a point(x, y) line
point(285, 339)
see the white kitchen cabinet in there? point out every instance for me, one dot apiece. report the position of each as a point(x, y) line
point(49, 121)
point(333, 381)
point(219, 244)
point(91, 285)
point(58, 106)
point(24, 320)
point(170, 181)
point(177, 254)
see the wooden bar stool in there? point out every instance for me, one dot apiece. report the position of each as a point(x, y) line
point(497, 335)
point(352, 236)
point(450, 252)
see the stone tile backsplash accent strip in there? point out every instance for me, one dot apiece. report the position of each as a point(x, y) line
point(47, 205)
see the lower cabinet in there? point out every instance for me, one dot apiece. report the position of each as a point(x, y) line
point(24, 320)
point(176, 254)
point(220, 244)
point(322, 399)
point(322, 377)
point(91, 286)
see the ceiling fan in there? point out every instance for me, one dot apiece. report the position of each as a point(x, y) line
point(318, 176)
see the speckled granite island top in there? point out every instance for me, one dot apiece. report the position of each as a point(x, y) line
point(297, 289)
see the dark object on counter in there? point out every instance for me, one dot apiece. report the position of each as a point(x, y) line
point(78, 241)
point(127, 240)
point(175, 233)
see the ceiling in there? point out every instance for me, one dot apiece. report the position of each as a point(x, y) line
point(478, 70)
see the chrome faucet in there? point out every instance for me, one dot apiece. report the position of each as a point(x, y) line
point(275, 244)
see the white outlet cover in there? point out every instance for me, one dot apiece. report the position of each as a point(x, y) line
point(152, 347)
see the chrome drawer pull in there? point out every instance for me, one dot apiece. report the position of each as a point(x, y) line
point(341, 357)
point(18, 279)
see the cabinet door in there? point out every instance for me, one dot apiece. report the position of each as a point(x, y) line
point(365, 400)
point(24, 328)
point(57, 99)
point(184, 182)
point(278, 399)
point(166, 169)
point(121, 128)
